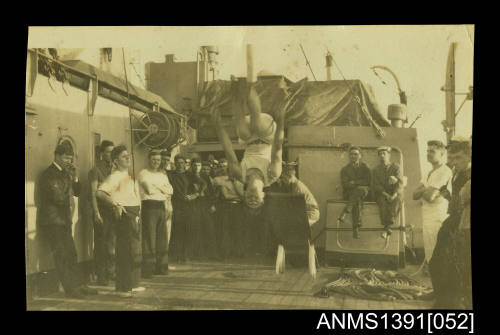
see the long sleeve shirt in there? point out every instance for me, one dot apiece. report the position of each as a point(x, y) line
point(465, 196)
point(458, 181)
point(56, 190)
point(353, 175)
point(381, 176)
point(298, 187)
point(180, 183)
point(197, 184)
point(210, 193)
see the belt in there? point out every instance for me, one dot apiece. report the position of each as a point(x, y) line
point(153, 203)
point(257, 141)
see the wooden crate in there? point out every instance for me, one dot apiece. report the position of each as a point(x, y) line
point(370, 249)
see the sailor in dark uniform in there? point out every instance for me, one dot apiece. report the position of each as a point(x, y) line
point(104, 234)
point(356, 181)
point(450, 267)
point(208, 201)
point(58, 184)
point(388, 185)
point(182, 204)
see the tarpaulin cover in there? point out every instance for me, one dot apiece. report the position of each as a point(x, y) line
point(325, 103)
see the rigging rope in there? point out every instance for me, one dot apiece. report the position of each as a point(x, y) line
point(138, 76)
point(129, 116)
point(307, 62)
point(379, 130)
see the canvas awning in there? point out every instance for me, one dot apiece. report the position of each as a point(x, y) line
point(325, 103)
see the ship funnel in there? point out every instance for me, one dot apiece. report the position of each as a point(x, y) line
point(397, 114)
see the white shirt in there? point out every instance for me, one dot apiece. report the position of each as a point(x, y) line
point(156, 180)
point(437, 179)
point(120, 186)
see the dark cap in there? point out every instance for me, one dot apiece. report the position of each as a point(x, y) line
point(64, 148)
point(165, 153)
point(457, 144)
point(436, 143)
point(384, 148)
point(354, 147)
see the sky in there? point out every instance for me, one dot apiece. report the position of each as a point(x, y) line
point(416, 54)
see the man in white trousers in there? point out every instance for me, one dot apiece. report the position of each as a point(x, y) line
point(432, 193)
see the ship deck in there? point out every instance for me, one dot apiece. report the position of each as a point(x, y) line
point(229, 285)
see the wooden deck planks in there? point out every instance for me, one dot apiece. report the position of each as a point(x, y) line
point(298, 291)
point(206, 285)
point(235, 287)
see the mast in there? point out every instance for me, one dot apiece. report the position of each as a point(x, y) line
point(449, 89)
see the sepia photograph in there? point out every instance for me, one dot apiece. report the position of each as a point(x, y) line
point(248, 167)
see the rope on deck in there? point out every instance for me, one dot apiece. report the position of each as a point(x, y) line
point(375, 285)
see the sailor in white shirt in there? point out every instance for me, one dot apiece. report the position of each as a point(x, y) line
point(434, 205)
point(120, 191)
point(155, 190)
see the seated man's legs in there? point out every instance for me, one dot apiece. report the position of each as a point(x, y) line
point(356, 199)
point(394, 210)
point(384, 208)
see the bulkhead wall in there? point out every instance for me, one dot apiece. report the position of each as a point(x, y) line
point(321, 147)
point(51, 114)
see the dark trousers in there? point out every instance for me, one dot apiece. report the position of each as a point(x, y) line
point(355, 200)
point(388, 210)
point(128, 249)
point(208, 241)
point(179, 242)
point(450, 267)
point(233, 242)
point(154, 237)
point(218, 217)
point(104, 246)
point(194, 239)
point(61, 243)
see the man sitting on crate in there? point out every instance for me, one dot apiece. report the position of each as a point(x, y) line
point(288, 183)
point(356, 180)
point(388, 185)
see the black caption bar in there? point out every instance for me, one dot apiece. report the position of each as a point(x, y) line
point(427, 322)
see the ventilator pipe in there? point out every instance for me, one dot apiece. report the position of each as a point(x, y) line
point(329, 63)
point(397, 114)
